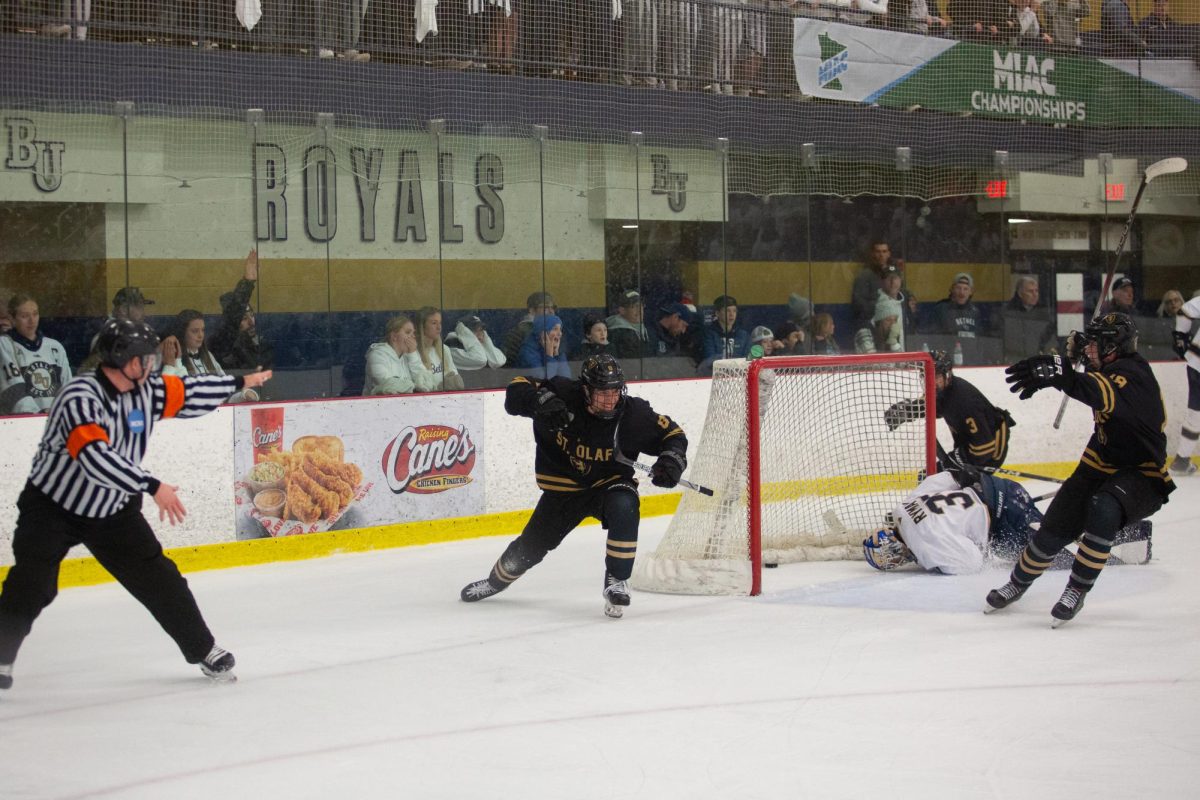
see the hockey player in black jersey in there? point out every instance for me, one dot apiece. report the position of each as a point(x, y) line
point(1122, 476)
point(577, 424)
point(980, 430)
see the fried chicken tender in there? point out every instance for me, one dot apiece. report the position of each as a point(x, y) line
point(301, 506)
point(330, 482)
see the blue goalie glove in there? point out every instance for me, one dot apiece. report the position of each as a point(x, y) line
point(884, 551)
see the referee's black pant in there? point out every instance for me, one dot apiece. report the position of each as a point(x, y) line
point(124, 545)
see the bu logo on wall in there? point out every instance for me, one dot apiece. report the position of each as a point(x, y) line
point(24, 151)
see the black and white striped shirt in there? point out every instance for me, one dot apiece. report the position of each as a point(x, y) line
point(89, 459)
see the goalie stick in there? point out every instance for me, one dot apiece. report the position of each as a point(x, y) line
point(1167, 166)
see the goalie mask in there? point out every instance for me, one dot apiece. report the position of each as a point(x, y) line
point(1114, 335)
point(603, 385)
point(884, 551)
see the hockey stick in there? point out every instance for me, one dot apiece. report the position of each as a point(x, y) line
point(1045, 496)
point(629, 462)
point(944, 457)
point(1167, 166)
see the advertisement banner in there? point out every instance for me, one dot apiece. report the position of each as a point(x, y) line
point(910, 71)
point(308, 467)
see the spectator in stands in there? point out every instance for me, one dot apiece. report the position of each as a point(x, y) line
point(339, 28)
point(1026, 325)
point(1165, 37)
point(185, 352)
point(866, 283)
point(434, 355)
point(764, 343)
point(1062, 22)
point(800, 311)
point(1122, 297)
point(1117, 32)
point(127, 303)
point(957, 314)
point(921, 17)
point(678, 334)
point(33, 367)
point(393, 365)
point(791, 337)
point(885, 334)
point(537, 304)
point(723, 338)
point(1030, 34)
point(543, 353)
point(823, 343)
point(595, 337)
point(1172, 302)
point(912, 312)
point(6, 320)
point(985, 21)
point(626, 331)
point(473, 347)
point(237, 343)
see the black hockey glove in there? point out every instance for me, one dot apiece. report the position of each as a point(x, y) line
point(550, 410)
point(667, 471)
point(902, 412)
point(1181, 343)
point(1028, 377)
point(967, 476)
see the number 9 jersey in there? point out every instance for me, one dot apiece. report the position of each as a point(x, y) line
point(945, 526)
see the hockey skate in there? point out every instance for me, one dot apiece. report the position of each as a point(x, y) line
point(1067, 606)
point(5, 676)
point(1005, 596)
point(616, 596)
point(480, 590)
point(218, 665)
point(1182, 466)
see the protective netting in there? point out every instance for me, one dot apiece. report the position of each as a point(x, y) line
point(830, 470)
point(1052, 83)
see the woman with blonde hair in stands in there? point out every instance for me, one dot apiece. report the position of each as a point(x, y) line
point(33, 367)
point(435, 356)
point(1172, 303)
point(393, 365)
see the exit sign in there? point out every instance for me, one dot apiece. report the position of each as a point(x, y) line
point(996, 190)
point(1114, 192)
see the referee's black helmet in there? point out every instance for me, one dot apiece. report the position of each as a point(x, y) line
point(122, 339)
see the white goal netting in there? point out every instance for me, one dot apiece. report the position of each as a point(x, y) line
point(829, 468)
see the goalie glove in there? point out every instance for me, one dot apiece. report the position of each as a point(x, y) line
point(667, 471)
point(1181, 343)
point(550, 410)
point(902, 412)
point(1030, 376)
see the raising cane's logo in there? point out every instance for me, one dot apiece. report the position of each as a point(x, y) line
point(429, 459)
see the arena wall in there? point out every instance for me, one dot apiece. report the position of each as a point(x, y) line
point(198, 456)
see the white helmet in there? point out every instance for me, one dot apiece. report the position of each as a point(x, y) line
point(884, 551)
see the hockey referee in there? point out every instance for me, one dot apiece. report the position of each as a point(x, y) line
point(86, 488)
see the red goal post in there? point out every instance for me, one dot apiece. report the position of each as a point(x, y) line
point(803, 463)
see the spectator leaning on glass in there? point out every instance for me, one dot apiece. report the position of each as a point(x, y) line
point(473, 347)
point(538, 303)
point(393, 366)
point(33, 367)
point(543, 353)
point(626, 329)
point(185, 352)
point(435, 356)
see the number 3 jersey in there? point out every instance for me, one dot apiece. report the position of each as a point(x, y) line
point(32, 373)
point(945, 526)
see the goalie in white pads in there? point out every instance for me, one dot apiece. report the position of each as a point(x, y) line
point(954, 521)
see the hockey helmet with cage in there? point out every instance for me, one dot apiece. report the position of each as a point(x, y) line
point(943, 362)
point(601, 372)
point(121, 340)
point(884, 551)
point(1114, 335)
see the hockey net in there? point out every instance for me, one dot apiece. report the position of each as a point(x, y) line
point(803, 467)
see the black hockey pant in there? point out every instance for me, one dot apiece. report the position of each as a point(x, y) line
point(1091, 508)
point(618, 508)
point(124, 545)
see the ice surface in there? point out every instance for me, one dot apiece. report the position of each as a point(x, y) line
point(365, 676)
